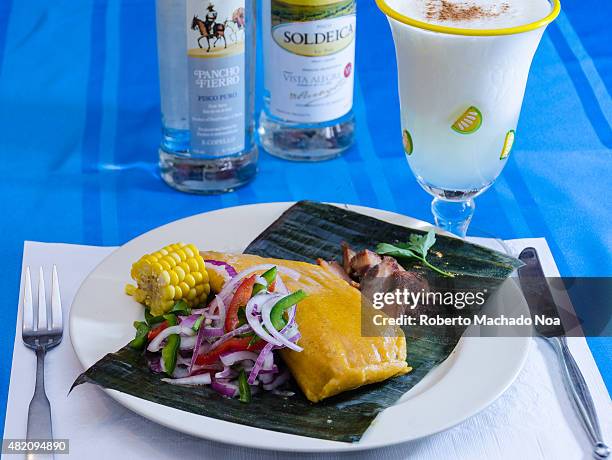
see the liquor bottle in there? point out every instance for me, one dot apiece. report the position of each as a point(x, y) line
point(309, 54)
point(207, 74)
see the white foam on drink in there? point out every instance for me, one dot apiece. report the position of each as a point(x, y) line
point(474, 14)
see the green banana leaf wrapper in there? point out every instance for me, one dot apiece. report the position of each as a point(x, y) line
point(305, 232)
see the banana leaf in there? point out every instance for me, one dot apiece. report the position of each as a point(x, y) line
point(306, 232)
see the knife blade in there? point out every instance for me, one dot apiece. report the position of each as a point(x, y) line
point(538, 295)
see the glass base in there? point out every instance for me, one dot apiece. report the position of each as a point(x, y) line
point(452, 209)
point(207, 176)
point(453, 216)
point(306, 143)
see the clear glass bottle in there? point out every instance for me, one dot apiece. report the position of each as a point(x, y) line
point(207, 75)
point(309, 54)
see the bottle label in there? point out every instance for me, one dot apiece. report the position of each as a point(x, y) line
point(310, 65)
point(216, 79)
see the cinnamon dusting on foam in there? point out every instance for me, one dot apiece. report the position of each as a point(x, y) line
point(448, 10)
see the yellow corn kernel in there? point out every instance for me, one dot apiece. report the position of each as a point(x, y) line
point(190, 280)
point(170, 260)
point(164, 278)
point(184, 288)
point(168, 292)
point(180, 272)
point(193, 265)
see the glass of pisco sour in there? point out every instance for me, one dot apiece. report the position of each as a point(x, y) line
point(462, 70)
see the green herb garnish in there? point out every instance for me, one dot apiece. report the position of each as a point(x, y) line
point(416, 248)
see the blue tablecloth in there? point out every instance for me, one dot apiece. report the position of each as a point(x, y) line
point(80, 126)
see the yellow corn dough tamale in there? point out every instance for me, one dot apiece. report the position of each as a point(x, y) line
point(336, 357)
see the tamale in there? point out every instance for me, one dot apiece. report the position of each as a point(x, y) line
point(336, 357)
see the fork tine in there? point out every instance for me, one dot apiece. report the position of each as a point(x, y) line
point(28, 307)
point(56, 303)
point(42, 303)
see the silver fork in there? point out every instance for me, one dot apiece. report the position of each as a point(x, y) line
point(41, 332)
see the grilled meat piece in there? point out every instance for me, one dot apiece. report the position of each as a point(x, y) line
point(363, 261)
point(347, 256)
point(337, 269)
point(371, 273)
point(389, 276)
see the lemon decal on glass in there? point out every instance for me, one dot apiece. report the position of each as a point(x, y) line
point(508, 143)
point(407, 142)
point(468, 122)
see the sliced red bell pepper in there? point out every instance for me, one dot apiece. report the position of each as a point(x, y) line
point(231, 345)
point(240, 299)
point(156, 330)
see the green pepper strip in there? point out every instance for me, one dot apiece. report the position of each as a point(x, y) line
point(243, 387)
point(142, 329)
point(276, 314)
point(170, 350)
point(269, 277)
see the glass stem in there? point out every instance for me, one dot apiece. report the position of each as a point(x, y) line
point(453, 216)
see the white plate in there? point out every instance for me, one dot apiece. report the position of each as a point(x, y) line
point(475, 374)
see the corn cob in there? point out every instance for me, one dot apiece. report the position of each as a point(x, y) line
point(164, 277)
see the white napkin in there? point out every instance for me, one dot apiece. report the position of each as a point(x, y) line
point(532, 420)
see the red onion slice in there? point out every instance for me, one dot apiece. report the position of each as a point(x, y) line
point(265, 357)
point(211, 331)
point(188, 343)
point(278, 381)
point(196, 347)
point(225, 388)
point(226, 373)
point(260, 301)
point(188, 321)
point(232, 358)
point(241, 330)
point(200, 379)
point(231, 271)
point(279, 286)
point(197, 369)
point(266, 378)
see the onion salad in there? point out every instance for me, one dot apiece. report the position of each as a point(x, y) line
point(230, 342)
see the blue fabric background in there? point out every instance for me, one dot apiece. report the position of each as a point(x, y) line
point(80, 125)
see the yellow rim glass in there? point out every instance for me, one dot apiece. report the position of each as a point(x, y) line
point(390, 12)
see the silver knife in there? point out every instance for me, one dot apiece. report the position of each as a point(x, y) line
point(541, 302)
